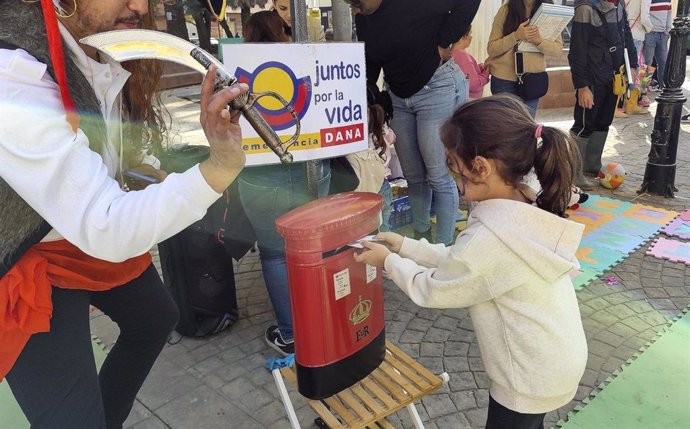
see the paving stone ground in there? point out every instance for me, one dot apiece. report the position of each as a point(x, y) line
point(220, 382)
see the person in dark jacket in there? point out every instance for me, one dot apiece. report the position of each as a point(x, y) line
point(599, 38)
point(425, 87)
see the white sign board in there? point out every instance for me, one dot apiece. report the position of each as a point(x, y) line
point(325, 83)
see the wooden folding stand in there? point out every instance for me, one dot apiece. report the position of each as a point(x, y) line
point(394, 385)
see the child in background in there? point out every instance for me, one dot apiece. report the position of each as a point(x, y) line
point(510, 266)
point(477, 75)
point(382, 138)
point(372, 165)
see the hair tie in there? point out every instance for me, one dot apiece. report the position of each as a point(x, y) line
point(537, 132)
point(537, 135)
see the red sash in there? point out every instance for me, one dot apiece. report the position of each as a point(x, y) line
point(25, 303)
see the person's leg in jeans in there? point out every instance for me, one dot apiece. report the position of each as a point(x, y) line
point(648, 50)
point(434, 104)
point(404, 124)
point(421, 152)
point(266, 193)
point(54, 379)
point(500, 417)
point(499, 86)
point(661, 54)
point(387, 195)
point(532, 105)
point(146, 314)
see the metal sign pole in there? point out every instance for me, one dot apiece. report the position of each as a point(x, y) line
point(298, 9)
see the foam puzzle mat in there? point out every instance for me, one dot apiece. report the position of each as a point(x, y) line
point(649, 391)
point(672, 250)
point(613, 230)
point(680, 227)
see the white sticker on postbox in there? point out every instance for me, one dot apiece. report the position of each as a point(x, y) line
point(341, 282)
point(371, 273)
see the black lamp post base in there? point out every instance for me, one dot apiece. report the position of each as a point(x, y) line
point(659, 180)
point(660, 173)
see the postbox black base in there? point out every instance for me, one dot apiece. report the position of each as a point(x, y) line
point(323, 381)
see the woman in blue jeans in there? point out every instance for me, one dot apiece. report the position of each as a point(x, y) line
point(267, 192)
point(416, 122)
point(410, 41)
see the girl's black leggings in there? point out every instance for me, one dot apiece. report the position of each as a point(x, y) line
point(501, 417)
point(55, 379)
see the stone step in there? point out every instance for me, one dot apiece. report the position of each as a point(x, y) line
point(176, 76)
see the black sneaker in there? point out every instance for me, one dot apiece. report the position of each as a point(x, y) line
point(276, 342)
point(685, 119)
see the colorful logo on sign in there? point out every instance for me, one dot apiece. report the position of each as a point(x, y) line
point(279, 78)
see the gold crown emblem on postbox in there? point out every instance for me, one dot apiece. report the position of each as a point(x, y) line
point(361, 311)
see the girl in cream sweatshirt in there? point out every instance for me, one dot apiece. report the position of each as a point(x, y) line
point(510, 266)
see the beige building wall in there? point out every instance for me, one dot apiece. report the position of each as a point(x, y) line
point(481, 28)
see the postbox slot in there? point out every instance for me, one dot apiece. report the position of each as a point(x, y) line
point(341, 249)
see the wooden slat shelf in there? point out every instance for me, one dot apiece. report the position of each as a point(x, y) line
point(395, 384)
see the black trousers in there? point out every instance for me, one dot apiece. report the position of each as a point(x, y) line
point(600, 116)
point(55, 380)
point(501, 417)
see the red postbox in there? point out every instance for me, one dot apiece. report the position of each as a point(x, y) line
point(337, 303)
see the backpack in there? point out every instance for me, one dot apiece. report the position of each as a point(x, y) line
point(197, 262)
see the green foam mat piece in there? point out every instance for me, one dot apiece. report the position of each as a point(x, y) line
point(12, 415)
point(651, 392)
point(585, 277)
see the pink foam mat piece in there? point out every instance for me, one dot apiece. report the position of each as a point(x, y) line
point(678, 228)
point(672, 250)
point(685, 215)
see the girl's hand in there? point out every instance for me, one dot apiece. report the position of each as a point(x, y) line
point(391, 240)
point(375, 254)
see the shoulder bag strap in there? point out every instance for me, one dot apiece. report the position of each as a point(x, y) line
point(519, 65)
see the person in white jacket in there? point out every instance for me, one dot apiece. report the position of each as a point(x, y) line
point(640, 24)
point(510, 266)
point(70, 235)
point(638, 20)
point(656, 40)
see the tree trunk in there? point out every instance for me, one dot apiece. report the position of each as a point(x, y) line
point(342, 21)
point(174, 18)
point(245, 12)
point(202, 18)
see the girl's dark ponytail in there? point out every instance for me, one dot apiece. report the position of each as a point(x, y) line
point(501, 128)
point(555, 163)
